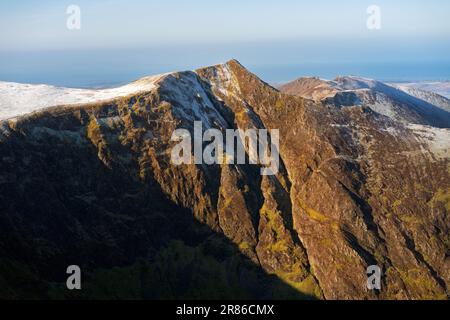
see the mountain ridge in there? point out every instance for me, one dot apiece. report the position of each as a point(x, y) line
point(396, 102)
point(355, 188)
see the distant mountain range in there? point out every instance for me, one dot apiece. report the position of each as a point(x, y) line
point(86, 179)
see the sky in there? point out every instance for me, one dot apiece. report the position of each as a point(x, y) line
point(120, 40)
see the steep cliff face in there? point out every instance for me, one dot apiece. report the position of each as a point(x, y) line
point(94, 185)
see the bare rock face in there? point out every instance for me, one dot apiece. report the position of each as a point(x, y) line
point(94, 185)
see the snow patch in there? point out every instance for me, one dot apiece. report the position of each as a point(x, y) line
point(223, 81)
point(192, 102)
point(437, 139)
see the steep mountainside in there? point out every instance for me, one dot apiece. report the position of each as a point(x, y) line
point(93, 185)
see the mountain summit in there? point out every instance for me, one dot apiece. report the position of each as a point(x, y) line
point(364, 181)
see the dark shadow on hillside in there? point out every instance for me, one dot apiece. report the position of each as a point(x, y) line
point(63, 206)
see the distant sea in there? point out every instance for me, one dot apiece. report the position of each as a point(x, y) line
point(111, 68)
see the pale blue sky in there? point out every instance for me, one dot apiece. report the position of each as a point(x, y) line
point(133, 38)
point(31, 24)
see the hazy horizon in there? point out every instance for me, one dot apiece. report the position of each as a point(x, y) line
point(120, 41)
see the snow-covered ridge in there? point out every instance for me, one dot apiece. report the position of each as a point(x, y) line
point(428, 96)
point(437, 139)
point(400, 103)
point(440, 88)
point(18, 99)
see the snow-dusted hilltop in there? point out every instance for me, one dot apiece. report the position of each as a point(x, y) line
point(394, 101)
point(18, 99)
